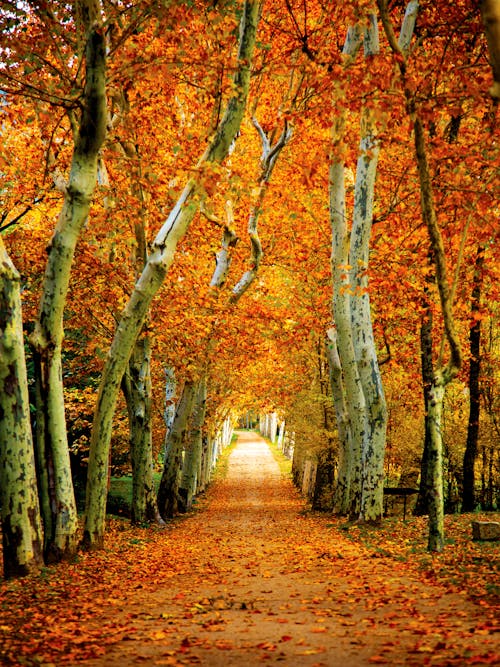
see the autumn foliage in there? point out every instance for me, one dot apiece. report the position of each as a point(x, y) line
point(170, 75)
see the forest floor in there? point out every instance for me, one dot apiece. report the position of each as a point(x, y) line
point(254, 578)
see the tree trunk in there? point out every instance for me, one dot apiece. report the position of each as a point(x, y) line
point(192, 458)
point(19, 508)
point(427, 372)
point(442, 375)
point(470, 455)
point(341, 491)
point(490, 12)
point(58, 504)
point(137, 391)
point(354, 398)
point(351, 414)
point(351, 305)
point(356, 345)
point(435, 497)
point(137, 382)
point(170, 389)
point(168, 491)
point(373, 448)
point(158, 263)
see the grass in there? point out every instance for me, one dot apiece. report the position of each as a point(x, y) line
point(120, 494)
point(120, 490)
point(285, 464)
point(223, 460)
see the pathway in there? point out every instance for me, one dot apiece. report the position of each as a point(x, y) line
point(265, 583)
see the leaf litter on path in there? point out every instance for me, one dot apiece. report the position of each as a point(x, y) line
point(252, 579)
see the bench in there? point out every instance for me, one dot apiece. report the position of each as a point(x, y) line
point(403, 491)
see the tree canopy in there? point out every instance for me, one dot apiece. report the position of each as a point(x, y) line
point(132, 125)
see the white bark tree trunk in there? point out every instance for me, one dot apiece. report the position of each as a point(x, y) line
point(137, 390)
point(435, 488)
point(281, 435)
point(273, 427)
point(364, 394)
point(58, 505)
point(159, 261)
point(170, 389)
point(348, 497)
point(168, 492)
point(193, 454)
point(228, 432)
point(341, 499)
point(19, 508)
point(373, 447)
point(353, 428)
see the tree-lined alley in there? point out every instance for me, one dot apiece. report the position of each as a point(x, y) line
point(339, 167)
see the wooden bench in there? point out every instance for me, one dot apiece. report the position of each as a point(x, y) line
point(403, 491)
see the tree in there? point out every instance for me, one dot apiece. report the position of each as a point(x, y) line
point(136, 383)
point(360, 489)
point(470, 455)
point(20, 512)
point(172, 477)
point(443, 373)
point(59, 509)
point(47, 72)
point(158, 263)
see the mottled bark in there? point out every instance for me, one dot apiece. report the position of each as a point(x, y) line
point(351, 309)
point(137, 390)
point(354, 397)
point(19, 508)
point(192, 458)
point(168, 491)
point(435, 489)
point(373, 447)
point(56, 488)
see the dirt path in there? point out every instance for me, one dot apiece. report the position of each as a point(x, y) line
point(264, 583)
